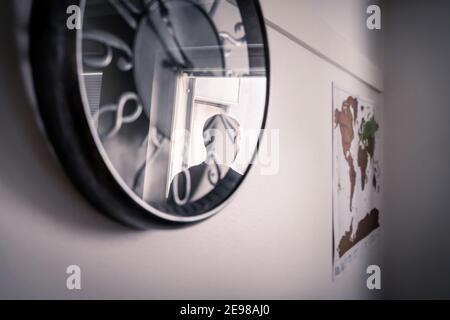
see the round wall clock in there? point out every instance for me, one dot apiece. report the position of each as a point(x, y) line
point(154, 107)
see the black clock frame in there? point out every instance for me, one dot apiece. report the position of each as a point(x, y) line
point(55, 65)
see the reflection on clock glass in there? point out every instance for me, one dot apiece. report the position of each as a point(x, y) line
point(176, 94)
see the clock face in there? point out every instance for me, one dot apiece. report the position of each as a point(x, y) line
point(154, 107)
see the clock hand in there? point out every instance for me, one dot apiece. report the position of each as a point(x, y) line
point(126, 11)
point(165, 16)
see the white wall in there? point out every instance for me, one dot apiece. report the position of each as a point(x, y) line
point(273, 241)
point(345, 18)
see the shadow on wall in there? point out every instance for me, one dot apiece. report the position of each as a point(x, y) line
point(417, 154)
point(27, 168)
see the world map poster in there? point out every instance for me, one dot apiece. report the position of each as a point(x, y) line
point(357, 187)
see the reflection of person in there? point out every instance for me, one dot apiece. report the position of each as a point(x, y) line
point(221, 134)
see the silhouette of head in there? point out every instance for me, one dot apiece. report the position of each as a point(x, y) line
point(221, 134)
